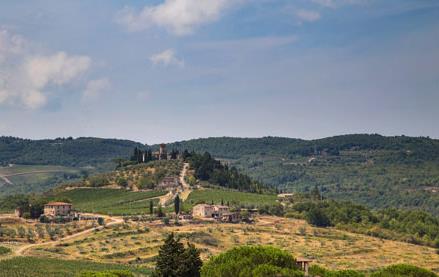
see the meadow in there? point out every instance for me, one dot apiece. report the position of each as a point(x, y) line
point(138, 243)
point(46, 267)
point(110, 201)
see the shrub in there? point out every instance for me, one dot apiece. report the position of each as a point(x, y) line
point(249, 260)
point(4, 250)
point(108, 273)
point(403, 270)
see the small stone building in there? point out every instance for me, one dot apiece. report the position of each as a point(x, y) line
point(209, 211)
point(203, 210)
point(57, 209)
point(169, 183)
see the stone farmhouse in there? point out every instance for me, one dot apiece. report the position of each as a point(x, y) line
point(53, 209)
point(218, 212)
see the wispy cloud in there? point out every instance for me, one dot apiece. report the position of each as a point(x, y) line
point(307, 15)
point(95, 88)
point(25, 75)
point(337, 3)
point(166, 58)
point(247, 43)
point(179, 17)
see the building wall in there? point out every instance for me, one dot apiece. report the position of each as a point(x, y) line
point(57, 210)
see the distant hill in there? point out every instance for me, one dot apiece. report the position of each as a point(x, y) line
point(77, 152)
point(372, 169)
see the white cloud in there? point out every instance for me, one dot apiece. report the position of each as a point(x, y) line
point(166, 58)
point(337, 3)
point(25, 76)
point(180, 17)
point(10, 44)
point(307, 15)
point(94, 89)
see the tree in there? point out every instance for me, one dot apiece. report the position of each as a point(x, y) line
point(317, 217)
point(177, 204)
point(176, 261)
point(151, 207)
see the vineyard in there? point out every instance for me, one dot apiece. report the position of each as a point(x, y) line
point(44, 267)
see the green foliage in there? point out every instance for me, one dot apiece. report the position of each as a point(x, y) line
point(208, 169)
point(174, 260)
point(414, 226)
point(403, 270)
point(233, 198)
point(177, 204)
point(323, 272)
point(44, 267)
point(373, 170)
point(64, 151)
point(107, 273)
point(251, 261)
point(109, 201)
point(4, 250)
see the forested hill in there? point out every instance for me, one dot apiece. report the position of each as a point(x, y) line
point(401, 147)
point(371, 169)
point(64, 151)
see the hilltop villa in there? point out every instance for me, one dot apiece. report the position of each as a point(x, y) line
point(57, 209)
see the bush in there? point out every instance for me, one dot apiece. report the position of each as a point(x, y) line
point(403, 270)
point(322, 272)
point(4, 250)
point(251, 261)
point(108, 273)
point(101, 221)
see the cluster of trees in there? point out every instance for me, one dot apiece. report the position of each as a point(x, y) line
point(209, 169)
point(414, 226)
point(145, 156)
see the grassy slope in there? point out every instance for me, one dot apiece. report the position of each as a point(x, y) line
point(329, 247)
point(109, 201)
point(39, 178)
point(233, 197)
point(42, 267)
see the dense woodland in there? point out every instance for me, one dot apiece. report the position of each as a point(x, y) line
point(208, 169)
point(64, 151)
point(378, 171)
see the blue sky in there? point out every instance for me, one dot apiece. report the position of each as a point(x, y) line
point(166, 70)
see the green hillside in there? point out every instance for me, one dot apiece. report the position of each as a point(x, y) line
point(64, 151)
point(109, 201)
point(371, 169)
point(35, 178)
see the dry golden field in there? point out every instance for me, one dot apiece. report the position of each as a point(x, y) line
point(138, 243)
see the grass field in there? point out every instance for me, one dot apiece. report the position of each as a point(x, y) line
point(44, 267)
point(110, 201)
point(233, 197)
point(138, 242)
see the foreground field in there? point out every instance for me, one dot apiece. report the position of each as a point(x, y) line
point(42, 267)
point(110, 201)
point(138, 243)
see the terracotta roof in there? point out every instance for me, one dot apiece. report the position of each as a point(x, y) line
point(58, 204)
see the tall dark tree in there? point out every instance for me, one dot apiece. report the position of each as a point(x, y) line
point(176, 261)
point(151, 207)
point(177, 204)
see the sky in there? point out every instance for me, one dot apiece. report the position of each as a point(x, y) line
point(167, 70)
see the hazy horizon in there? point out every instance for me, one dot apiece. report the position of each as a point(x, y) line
point(165, 70)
